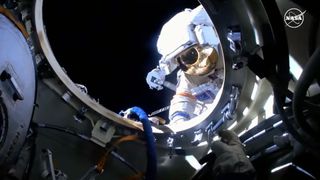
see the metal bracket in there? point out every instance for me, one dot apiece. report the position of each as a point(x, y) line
point(170, 142)
point(47, 168)
point(79, 117)
point(230, 107)
point(197, 137)
point(102, 133)
point(228, 112)
point(234, 37)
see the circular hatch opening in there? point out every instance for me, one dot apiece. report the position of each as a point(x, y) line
point(98, 48)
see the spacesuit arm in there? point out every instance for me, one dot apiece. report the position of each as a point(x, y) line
point(156, 77)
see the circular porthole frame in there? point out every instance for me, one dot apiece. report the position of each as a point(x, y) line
point(232, 78)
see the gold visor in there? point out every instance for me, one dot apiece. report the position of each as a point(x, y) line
point(198, 60)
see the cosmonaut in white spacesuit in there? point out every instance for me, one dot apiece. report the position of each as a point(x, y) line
point(188, 41)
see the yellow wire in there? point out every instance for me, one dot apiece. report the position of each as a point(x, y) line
point(18, 24)
point(103, 159)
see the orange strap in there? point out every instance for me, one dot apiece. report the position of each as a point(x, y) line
point(186, 95)
point(18, 24)
point(102, 161)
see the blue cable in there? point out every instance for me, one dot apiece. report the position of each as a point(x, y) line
point(150, 143)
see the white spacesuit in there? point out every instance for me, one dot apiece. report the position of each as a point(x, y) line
point(189, 41)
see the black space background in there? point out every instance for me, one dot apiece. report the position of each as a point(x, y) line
point(110, 46)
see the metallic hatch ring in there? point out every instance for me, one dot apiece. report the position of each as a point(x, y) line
point(99, 112)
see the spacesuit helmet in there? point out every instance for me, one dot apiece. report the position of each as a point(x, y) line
point(189, 40)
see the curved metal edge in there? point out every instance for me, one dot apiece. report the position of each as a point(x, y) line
point(46, 49)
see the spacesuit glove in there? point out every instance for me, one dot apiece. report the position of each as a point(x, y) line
point(155, 79)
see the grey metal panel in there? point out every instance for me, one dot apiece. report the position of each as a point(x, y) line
point(17, 86)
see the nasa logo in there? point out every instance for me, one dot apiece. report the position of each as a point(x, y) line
point(294, 17)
